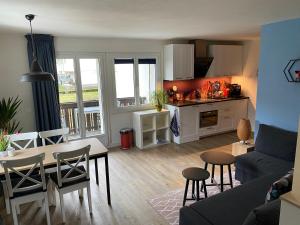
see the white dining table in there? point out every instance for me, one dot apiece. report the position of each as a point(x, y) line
point(98, 150)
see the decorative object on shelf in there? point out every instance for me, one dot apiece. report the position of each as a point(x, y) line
point(292, 75)
point(158, 99)
point(244, 130)
point(4, 143)
point(8, 110)
point(36, 73)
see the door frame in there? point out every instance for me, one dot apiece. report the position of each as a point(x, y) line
point(104, 137)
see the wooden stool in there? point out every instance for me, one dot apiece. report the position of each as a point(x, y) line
point(196, 175)
point(218, 159)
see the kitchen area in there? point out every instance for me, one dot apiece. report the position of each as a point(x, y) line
point(203, 99)
point(210, 86)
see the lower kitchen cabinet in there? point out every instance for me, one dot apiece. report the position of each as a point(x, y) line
point(208, 119)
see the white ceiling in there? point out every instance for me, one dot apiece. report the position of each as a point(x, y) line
point(151, 19)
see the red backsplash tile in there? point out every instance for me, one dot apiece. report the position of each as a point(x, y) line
point(186, 85)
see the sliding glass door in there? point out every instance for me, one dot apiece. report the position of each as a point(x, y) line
point(80, 79)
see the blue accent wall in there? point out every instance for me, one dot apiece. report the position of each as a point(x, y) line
point(278, 101)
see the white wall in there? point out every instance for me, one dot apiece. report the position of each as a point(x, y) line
point(13, 63)
point(249, 78)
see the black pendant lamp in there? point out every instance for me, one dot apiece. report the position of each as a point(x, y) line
point(36, 73)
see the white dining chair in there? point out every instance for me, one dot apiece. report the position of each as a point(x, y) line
point(29, 186)
point(62, 133)
point(23, 140)
point(19, 141)
point(75, 178)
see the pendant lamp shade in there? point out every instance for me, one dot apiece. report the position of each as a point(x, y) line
point(36, 73)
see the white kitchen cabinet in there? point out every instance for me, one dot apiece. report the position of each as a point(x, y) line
point(151, 128)
point(179, 62)
point(188, 123)
point(228, 60)
point(229, 115)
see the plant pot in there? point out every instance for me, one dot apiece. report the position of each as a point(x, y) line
point(3, 153)
point(158, 108)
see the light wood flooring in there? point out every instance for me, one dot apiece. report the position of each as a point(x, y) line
point(135, 177)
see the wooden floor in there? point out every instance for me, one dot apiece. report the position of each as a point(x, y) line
point(136, 176)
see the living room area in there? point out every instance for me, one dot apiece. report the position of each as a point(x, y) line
point(150, 113)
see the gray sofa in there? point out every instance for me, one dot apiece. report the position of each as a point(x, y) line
point(257, 170)
point(274, 152)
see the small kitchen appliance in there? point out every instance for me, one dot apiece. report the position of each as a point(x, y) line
point(235, 90)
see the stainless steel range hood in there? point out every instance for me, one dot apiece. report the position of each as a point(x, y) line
point(202, 60)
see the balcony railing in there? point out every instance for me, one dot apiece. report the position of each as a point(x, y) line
point(70, 117)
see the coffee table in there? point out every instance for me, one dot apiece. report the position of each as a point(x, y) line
point(216, 158)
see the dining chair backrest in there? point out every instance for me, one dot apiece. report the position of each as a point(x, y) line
point(63, 134)
point(27, 182)
point(71, 160)
point(23, 140)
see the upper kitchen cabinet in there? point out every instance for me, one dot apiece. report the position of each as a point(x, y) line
point(179, 62)
point(228, 60)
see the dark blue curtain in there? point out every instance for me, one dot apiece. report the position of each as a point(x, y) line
point(45, 93)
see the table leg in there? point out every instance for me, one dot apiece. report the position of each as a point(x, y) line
point(185, 191)
point(193, 189)
point(107, 179)
point(221, 175)
point(213, 173)
point(205, 190)
point(96, 171)
point(197, 187)
point(205, 167)
point(230, 175)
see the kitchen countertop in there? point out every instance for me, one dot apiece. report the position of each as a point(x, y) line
point(203, 101)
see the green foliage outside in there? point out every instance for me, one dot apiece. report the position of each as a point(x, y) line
point(70, 96)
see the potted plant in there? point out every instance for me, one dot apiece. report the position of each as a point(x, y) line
point(8, 110)
point(4, 143)
point(158, 99)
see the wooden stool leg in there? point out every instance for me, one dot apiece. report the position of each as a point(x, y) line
point(193, 189)
point(230, 175)
point(205, 167)
point(205, 190)
point(221, 175)
point(213, 173)
point(198, 196)
point(185, 191)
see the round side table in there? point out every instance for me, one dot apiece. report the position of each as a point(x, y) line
point(196, 175)
point(218, 159)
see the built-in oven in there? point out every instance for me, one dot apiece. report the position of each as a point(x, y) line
point(208, 119)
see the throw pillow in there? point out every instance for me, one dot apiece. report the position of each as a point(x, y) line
point(280, 187)
point(267, 214)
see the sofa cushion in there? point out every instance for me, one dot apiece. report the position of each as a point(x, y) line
point(235, 203)
point(266, 214)
point(276, 142)
point(255, 164)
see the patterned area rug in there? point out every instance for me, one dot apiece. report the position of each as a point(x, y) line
point(168, 204)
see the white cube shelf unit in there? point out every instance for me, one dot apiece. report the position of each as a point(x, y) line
point(151, 128)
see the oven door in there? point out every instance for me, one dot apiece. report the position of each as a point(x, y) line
point(208, 122)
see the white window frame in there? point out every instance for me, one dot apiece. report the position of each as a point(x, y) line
point(82, 55)
point(135, 56)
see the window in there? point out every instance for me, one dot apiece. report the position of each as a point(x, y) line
point(80, 95)
point(146, 79)
point(124, 79)
point(135, 80)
